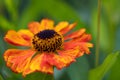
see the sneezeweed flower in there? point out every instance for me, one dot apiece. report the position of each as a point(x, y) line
point(47, 47)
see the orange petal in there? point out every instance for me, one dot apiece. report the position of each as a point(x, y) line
point(26, 34)
point(18, 60)
point(61, 26)
point(34, 27)
point(67, 29)
point(60, 61)
point(85, 38)
point(39, 63)
point(46, 24)
point(73, 53)
point(83, 46)
point(14, 38)
point(70, 44)
point(75, 34)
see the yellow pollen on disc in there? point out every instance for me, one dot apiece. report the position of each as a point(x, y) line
point(47, 41)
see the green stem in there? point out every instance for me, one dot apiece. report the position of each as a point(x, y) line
point(98, 34)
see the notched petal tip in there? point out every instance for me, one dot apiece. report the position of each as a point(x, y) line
point(46, 24)
point(85, 38)
point(61, 60)
point(68, 28)
point(61, 26)
point(34, 27)
point(26, 34)
point(14, 38)
point(75, 34)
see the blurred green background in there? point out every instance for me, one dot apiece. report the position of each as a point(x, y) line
point(16, 14)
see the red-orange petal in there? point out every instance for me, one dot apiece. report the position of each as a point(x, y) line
point(67, 29)
point(63, 59)
point(83, 46)
point(18, 60)
point(14, 38)
point(46, 24)
point(39, 63)
point(61, 26)
point(26, 34)
point(75, 34)
point(73, 53)
point(84, 38)
point(34, 27)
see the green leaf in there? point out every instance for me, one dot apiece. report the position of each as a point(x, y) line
point(39, 76)
point(115, 72)
point(5, 24)
point(12, 9)
point(1, 77)
point(99, 72)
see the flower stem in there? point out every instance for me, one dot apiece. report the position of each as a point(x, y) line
point(98, 34)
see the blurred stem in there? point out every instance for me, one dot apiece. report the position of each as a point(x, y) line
point(98, 34)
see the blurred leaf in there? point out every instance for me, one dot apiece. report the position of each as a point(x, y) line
point(8, 74)
point(99, 72)
point(12, 9)
point(106, 34)
point(5, 24)
point(115, 72)
point(39, 76)
point(79, 69)
point(1, 49)
point(112, 11)
point(111, 17)
point(105, 39)
point(109, 23)
point(1, 77)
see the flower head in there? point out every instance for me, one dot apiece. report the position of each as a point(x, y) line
point(48, 46)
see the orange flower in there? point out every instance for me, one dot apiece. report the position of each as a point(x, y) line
point(47, 46)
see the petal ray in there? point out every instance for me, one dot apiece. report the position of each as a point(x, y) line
point(14, 38)
point(75, 34)
point(26, 34)
point(64, 58)
point(46, 24)
point(67, 29)
point(18, 60)
point(83, 46)
point(59, 61)
point(34, 27)
point(61, 26)
point(39, 63)
point(73, 53)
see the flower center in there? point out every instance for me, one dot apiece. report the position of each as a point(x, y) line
point(47, 41)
